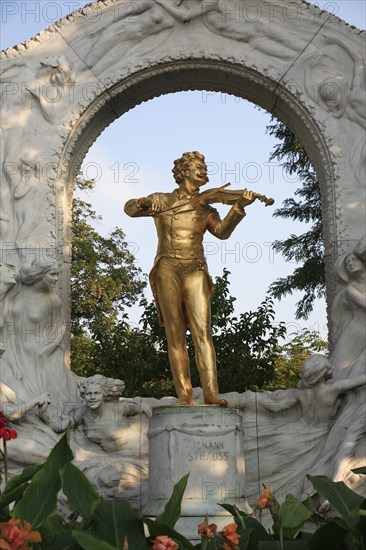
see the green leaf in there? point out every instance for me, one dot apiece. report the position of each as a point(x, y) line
point(115, 520)
point(330, 535)
point(4, 514)
point(305, 536)
point(89, 542)
point(293, 514)
point(40, 497)
point(64, 541)
point(50, 529)
point(253, 523)
point(172, 508)
point(81, 496)
point(361, 470)
point(287, 545)
point(157, 528)
point(309, 504)
point(12, 496)
point(344, 500)
point(17, 485)
point(234, 510)
point(22, 478)
point(249, 539)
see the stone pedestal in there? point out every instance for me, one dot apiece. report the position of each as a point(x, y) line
point(207, 442)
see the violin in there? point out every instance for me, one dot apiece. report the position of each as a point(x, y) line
point(226, 196)
point(219, 195)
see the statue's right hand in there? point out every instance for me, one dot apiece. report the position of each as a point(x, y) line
point(144, 203)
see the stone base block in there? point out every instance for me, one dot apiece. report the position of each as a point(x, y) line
point(207, 443)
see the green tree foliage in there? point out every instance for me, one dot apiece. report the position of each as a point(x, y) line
point(306, 249)
point(104, 281)
point(246, 346)
point(292, 355)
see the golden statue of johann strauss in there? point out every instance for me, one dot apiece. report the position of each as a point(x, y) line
point(180, 281)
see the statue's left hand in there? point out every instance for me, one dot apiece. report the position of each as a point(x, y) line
point(247, 198)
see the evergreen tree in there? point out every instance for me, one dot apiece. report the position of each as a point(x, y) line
point(307, 248)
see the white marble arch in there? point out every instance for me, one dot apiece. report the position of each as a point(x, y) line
point(61, 89)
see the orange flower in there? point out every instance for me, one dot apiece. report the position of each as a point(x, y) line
point(230, 536)
point(15, 537)
point(206, 530)
point(162, 542)
point(264, 499)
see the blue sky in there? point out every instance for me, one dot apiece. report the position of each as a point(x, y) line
point(134, 157)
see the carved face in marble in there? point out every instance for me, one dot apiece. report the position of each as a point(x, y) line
point(7, 279)
point(354, 265)
point(94, 396)
point(7, 274)
point(51, 277)
point(333, 92)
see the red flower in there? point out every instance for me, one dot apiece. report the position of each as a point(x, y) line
point(264, 500)
point(15, 537)
point(230, 536)
point(4, 422)
point(206, 530)
point(5, 432)
point(162, 542)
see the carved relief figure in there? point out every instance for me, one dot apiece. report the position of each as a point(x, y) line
point(340, 94)
point(357, 86)
point(27, 192)
point(317, 397)
point(57, 72)
point(125, 28)
point(23, 114)
point(34, 440)
point(4, 223)
point(99, 416)
point(180, 281)
point(345, 445)
point(113, 424)
point(358, 159)
point(33, 335)
point(43, 90)
point(226, 19)
point(7, 281)
point(294, 435)
point(349, 316)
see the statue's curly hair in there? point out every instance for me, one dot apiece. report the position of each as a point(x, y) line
point(181, 165)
